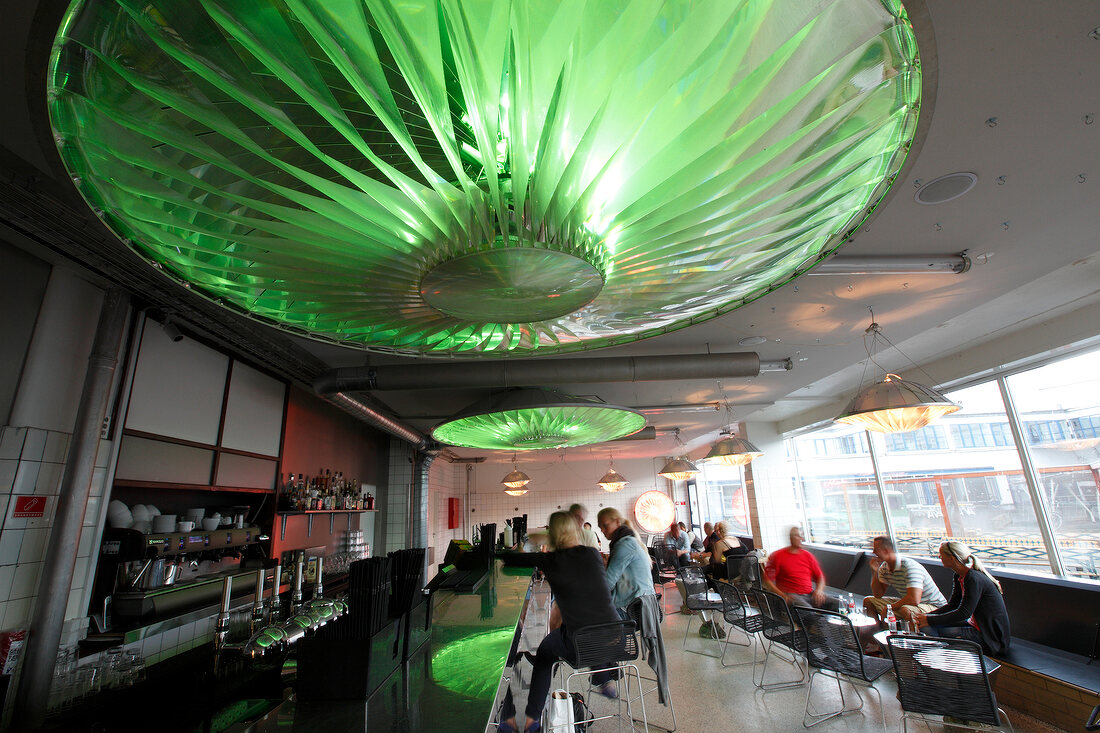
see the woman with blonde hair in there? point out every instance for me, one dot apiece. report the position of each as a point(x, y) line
point(975, 611)
point(576, 576)
point(628, 565)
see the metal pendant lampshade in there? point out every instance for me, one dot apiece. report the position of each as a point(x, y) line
point(612, 481)
point(733, 451)
point(534, 419)
point(515, 482)
point(483, 178)
point(895, 405)
point(678, 469)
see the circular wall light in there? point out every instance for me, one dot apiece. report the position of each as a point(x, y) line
point(654, 511)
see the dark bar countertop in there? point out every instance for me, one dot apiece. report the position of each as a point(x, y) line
point(449, 683)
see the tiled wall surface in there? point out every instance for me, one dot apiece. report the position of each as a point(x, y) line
point(445, 481)
point(32, 462)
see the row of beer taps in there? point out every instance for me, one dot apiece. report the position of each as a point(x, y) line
point(270, 633)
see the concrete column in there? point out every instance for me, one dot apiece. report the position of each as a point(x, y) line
point(57, 573)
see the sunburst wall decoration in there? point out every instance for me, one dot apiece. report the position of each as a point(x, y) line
point(493, 177)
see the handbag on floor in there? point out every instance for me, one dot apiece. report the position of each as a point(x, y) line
point(580, 713)
point(561, 712)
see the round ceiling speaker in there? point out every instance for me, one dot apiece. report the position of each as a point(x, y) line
point(946, 188)
point(489, 178)
point(537, 419)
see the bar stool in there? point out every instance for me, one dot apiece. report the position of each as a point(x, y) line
point(605, 648)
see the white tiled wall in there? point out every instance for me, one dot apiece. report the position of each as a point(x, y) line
point(555, 485)
point(32, 462)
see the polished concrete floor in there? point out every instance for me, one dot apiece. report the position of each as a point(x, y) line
point(710, 697)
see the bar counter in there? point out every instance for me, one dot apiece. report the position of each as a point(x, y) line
point(449, 683)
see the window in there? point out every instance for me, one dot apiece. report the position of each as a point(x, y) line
point(836, 487)
point(1059, 406)
point(929, 438)
point(981, 435)
point(975, 493)
point(722, 497)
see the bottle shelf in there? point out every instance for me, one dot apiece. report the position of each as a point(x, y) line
point(310, 513)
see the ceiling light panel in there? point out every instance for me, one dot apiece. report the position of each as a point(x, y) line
point(390, 174)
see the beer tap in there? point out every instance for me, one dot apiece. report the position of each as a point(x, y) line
point(296, 597)
point(274, 609)
point(258, 602)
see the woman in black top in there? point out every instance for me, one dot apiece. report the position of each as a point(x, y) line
point(975, 610)
point(576, 577)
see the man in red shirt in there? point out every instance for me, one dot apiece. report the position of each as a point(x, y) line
point(794, 574)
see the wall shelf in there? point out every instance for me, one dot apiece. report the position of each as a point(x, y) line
point(311, 512)
point(134, 484)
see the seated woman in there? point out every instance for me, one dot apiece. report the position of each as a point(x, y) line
point(975, 610)
point(628, 567)
point(576, 577)
point(714, 560)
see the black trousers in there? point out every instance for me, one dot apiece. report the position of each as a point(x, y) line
point(554, 646)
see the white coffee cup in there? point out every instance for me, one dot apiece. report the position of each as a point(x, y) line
point(184, 526)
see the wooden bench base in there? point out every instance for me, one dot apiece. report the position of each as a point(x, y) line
point(1053, 701)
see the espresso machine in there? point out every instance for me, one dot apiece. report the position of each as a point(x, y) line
point(142, 576)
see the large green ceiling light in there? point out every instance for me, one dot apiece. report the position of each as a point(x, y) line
point(536, 419)
point(483, 177)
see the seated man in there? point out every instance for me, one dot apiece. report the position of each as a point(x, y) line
point(708, 535)
point(907, 576)
point(795, 575)
point(679, 542)
point(693, 542)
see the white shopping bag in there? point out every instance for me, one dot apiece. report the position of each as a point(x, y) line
point(561, 712)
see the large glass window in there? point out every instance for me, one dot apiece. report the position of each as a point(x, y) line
point(965, 484)
point(834, 475)
point(1059, 408)
point(722, 496)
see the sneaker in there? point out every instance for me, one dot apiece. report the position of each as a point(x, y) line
point(608, 690)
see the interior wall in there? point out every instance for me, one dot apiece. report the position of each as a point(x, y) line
point(23, 281)
point(558, 484)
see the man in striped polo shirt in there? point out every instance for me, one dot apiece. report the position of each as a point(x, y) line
point(908, 577)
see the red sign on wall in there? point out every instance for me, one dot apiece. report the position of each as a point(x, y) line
point(29, 506)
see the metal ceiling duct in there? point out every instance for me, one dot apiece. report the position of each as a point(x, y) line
point(377, 419)
point(507, 373)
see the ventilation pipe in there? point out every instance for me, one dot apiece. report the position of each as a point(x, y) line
point(376, 419)
point(503, 373)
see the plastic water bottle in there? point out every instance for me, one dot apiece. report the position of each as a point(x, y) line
point(891, 619)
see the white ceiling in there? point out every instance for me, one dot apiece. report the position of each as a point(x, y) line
point(1036, 210)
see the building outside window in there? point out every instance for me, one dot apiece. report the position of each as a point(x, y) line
point(962, 478)
point(721, 491)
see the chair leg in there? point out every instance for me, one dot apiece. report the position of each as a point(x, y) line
point(686, 628)
point(749, 643)
point(809, 719)
point(771, 687)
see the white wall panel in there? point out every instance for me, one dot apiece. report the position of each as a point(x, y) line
point(254, 411)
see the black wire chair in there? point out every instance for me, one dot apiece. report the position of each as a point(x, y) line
point(740, 614)
point(944, 677)
point(605, 648)
point(668, 565)
point(698, 596)
point(780, 631)
point(833, 650)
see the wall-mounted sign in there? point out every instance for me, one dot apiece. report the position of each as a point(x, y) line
point(29, 506)
point(654, 511)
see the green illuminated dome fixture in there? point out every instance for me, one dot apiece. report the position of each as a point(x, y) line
point(483, 177)
point(536, 419)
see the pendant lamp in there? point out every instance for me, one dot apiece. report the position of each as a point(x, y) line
point(678, 469)
point(612, 481)
point(516, 481)
point(483, 178)
point(894, 405)
point(732, 451)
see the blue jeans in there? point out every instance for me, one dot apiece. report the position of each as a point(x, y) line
point(554, 646)
point(965, 631)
